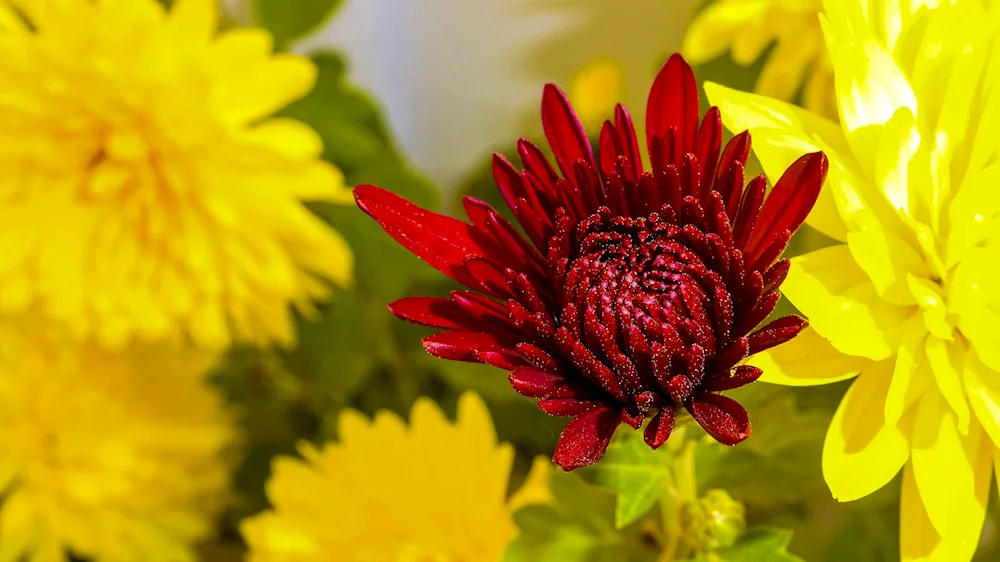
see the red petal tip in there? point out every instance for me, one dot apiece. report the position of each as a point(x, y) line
point(586, 438)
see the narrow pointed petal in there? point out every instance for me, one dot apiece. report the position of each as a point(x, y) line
point(673, 102)
point(460, 346)
point(658, 430)
point(534, 382)
point(439, 240)
point(586, 438)
point(789, 202)
point(564, 132)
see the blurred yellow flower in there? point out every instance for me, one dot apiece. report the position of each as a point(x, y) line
point(909, 297)
point(109, 456)
point(145, 194)
point(748, 27)
point(594, 90)
point(435, 491)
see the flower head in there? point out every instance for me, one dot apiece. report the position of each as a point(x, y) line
point(145, 193)
point(797, 61)
point(635, 291)
point(908, 295)
point(108, 456)
point(447, 504)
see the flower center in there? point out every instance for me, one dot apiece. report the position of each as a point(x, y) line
point(642, 312)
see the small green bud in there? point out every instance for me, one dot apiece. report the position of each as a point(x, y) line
point(713, 522)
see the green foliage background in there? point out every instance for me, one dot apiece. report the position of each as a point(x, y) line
point(763, 501)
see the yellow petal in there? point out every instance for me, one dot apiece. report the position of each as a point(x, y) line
point(782, 133)
point(947, 361)
point(897, 144)
point(975, 292)
point(929, 298)
point(887, 260)
point(714, 29)
point(918, 541)
point(870, 85)
point(952, 472)
point(19, 526)
point(807, 360)
point(842, 304)
point(194, 20)
point(535, 489)
point(911, 375)
point(861, 453)
point(983, 387)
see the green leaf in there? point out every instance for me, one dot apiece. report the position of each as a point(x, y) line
point(288, 20)
point(636, 474)
point(756, 545)
point(575, 527)
point(333, 354)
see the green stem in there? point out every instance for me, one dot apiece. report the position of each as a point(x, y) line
point(681, 490)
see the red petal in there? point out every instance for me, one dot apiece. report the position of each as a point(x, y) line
point(533, 382)
point(460, 346)
point(508, 180)
point(723, 418)
point(790, 201)
point(441, 241)
point(564, 132)
point(776, 333)
point(708, 144)
point(660, 426)
point(628, 141)
point(673, 102)
point(565, 407)
point(586, 438)
point(742, 376)
point(501, 358)
point(433, 311)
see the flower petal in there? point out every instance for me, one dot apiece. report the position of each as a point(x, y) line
point(722, 417)
point(952, 472)
point(783, 133)
point(861, 453)
point(887, 260)
point(563, 131)
point(983, 388)
point(807, 360)
point(870, 84)
point(947, 361)
point(586, 438)
point(658, 430)
point(841, 303)
point(673, 103)
point(441, 241)
point(789, 202)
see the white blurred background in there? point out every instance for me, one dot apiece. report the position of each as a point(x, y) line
point(462, 78)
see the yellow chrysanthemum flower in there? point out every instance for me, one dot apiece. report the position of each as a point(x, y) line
point(145, 193)
point(108, 456)
point(747, 27)
point(594, 90)
point(435, 491)
point(909, 297)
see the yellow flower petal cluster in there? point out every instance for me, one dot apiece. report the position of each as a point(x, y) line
point(909, 296)
point(108, 456)
point(746, 28)
point(433, 491)
point(144, 193)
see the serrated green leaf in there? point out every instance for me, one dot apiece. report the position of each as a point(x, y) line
point(756, 545)
point(577, 526)
point(636, 474)
point(288, 20)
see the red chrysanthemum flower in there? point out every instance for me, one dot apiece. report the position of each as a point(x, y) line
point(635, 292)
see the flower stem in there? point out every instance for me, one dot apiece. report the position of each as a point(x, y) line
point(682, 489)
